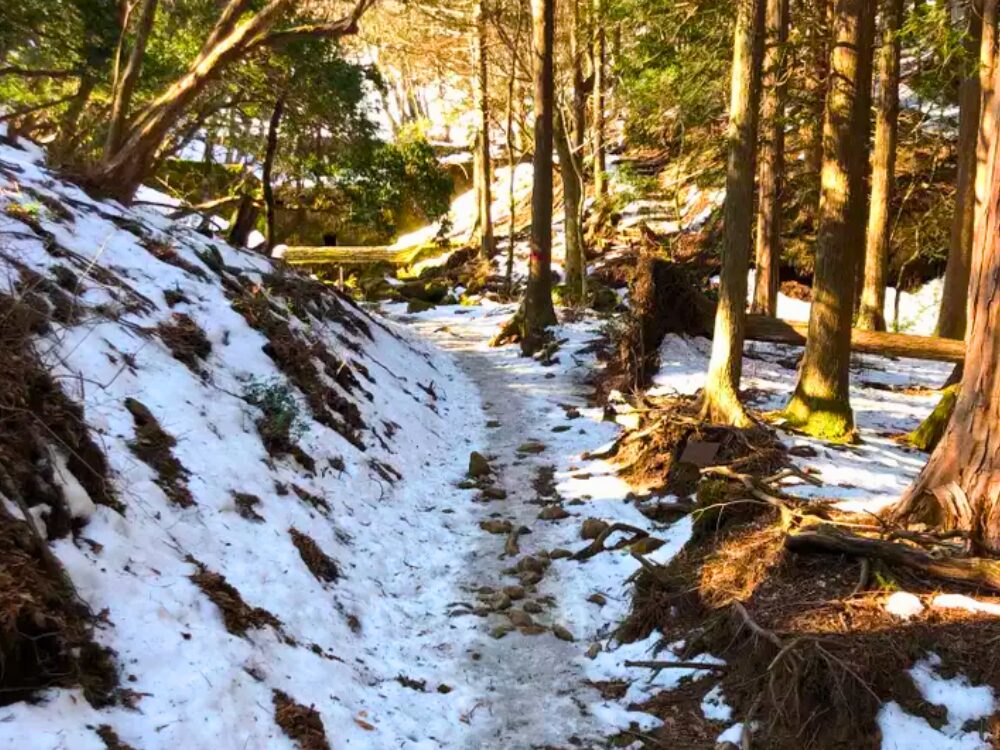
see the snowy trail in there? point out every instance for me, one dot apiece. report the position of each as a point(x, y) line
point(530, 683)
point(532, 687)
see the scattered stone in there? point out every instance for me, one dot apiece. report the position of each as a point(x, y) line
point(646, 545)
point(553, 513)
point(599, 599)
point(514, 592)
point(494, 493)
point(594, 650)
point(533, 630)
point(520, 618)
point(478, 465)
point(532, 446)
point(444, 689)
point(496, 526)
point(529, 562)
point(572, 413)
point(501, 630)
point(560, 553)
point(533, 607)
point(561, 428)
point(562, 633)
point(493, 424)
point(530, 577)
point(467, 484)
point(592, 528)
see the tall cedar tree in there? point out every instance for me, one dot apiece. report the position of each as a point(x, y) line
point(484, 172)
point(871, 315)
point(821, 404)
point(720, 399)
point(959, 488)
point(600, 72)
point(537, 311)
point(569, 145)
point(987, 63)
point(772, 158)
point(955, 295)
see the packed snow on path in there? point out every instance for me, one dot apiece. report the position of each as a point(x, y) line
point(533, 687)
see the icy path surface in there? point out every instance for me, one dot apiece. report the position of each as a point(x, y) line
point(533, 688)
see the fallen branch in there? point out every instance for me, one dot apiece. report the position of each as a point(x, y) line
point(658, 665)
point(597, 546)
point(976, 571)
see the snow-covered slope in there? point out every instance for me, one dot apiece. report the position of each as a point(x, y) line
point(361, 401)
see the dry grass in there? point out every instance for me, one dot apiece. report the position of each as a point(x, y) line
point(152, 445)
point(301, 723)
point(322, 566)
point(238, 616)
point(186, 341)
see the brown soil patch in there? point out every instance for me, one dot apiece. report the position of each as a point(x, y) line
point(298, 358)
point(841, 656)
point(186, 341)
point(111, 739)
point(312, 499)
point(246, 506)
point(152, 445)
point(301, 723)
point(322, 566)
point(34, 415)
point(165, 252)
point(238, 616)
point(45, 630)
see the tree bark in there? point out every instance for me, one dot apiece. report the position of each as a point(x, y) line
point(511, 161)
point(820, 404)
point(772, 162)
point(570, 171)
point(959, 488)
point(955, 295)
point(124, 87)
point(871, 315)
point(269, 153)
point(817, 16)
point(537, 310)
point(597, 126)
point(484, 176)
point(720, 400)
point(987, 64)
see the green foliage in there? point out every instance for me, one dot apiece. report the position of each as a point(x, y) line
point(675, 74)
point(943, 59)
point(282, 414)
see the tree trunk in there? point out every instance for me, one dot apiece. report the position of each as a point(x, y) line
point(579, 134)
point(511, 161)
point(69, 128)
point(268, 167)
point(817, 16)
point(871, 315)
point(720, 401)
point(570, 171)
point(484, 175)
point(820, 404)
point(120, 173)
point(955, 295)
point(124, 87)
point(987, 63)
point(959, 488)
point(772, 164)
point(244, 219)
point(538, 311)
point(600, 59)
